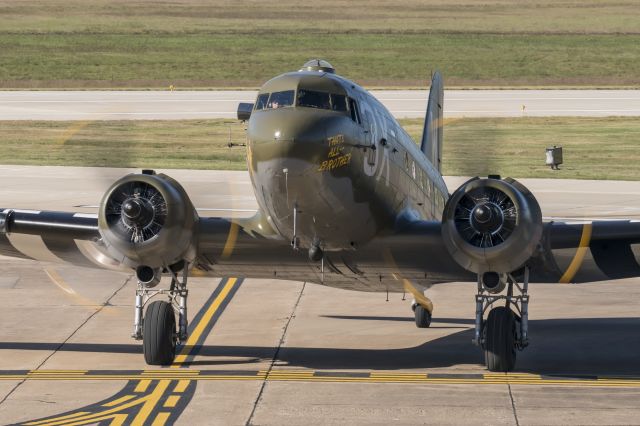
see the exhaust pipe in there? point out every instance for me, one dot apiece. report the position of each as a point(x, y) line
point(148, 276)
point(494, 282)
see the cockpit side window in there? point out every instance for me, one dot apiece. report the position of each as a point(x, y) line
point(261, 102)
point(281, 99)
point(353, 109)
point(313, 99)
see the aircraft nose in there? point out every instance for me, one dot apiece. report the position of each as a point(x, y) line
point(304, 142)
point(287, 125)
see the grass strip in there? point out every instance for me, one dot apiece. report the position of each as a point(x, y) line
point(594, 148)
point(248, 60)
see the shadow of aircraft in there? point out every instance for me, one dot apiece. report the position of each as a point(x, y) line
point(569, 347)
point(404, 319)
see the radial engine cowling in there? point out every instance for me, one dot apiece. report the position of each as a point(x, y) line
point(148, 219)
point(492, 225)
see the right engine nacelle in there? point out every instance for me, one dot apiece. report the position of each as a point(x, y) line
point(492, 225)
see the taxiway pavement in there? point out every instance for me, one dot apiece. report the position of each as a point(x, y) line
point(167, 105)
point(276, 352)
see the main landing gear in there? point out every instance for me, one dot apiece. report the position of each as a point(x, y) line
point(422, 315)
point(504, 331)
point(158, 329)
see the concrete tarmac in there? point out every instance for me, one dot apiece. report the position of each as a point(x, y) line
point(275, 352)
point(159, 105)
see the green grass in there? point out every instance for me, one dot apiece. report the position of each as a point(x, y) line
point(192, 43)
point(328, 16)
point(72, 60)
point(594, 148)
point(189, 144)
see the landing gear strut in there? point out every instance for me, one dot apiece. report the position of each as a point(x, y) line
point(504, 331)
point(157, 329)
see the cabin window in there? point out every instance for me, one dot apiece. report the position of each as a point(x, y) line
point(313, 99)
point(353, 108)
point(261, 102)
point(281, 99)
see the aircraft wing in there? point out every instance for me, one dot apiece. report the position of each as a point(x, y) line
point(593, 250)
point(572, 251)
point(225, 246)
point(567, 252)
point(48, 236)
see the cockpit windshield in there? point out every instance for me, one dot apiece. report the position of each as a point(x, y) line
point(305, 98)
point(321, 100)
point(281, 99)
point(261, 102)
point(275, 100)
point(312, 99)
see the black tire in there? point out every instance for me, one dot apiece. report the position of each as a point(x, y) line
point(159, 334)
point(423, 317)
point(499, 346)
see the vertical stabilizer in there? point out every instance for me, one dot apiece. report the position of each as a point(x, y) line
point(431, 144)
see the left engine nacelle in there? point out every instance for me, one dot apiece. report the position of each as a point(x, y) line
point(148, 219)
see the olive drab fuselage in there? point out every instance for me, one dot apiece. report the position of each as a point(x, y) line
point(337, 178)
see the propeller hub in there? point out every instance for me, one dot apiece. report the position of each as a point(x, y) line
point(487, 217)
point(137, 211)
point(132, 209)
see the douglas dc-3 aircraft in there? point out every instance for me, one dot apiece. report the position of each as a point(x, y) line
point(346, 199)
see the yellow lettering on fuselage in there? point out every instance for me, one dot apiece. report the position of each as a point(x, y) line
point(336, 140)
point(335, 158)
point(335, 163)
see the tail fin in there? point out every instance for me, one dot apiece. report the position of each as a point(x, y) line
point(431, 144)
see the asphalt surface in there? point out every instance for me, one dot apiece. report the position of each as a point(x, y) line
point(159, 105)
point(276, 352)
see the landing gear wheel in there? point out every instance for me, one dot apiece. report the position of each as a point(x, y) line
point(499, 337)
point(423, 317)
point(159, 334)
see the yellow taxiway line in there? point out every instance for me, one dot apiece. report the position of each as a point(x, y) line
point(202, 325)
point(145, 378)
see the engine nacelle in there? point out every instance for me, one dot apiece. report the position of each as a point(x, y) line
point(492, 225)
point(148, 220)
